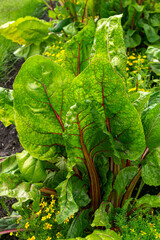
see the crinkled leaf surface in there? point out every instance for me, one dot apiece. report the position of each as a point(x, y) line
point(25, 30)
point(100, 235)
point(151, 168)
point(8, 164)
point(151, 122)
point(124, 178)
point(55, 178)
point(6, 106)
point(76, 54)
point(101, 218)
point(109, 43)
point(106, 89)
point(139, 100)
point(79, 224)
point(31, 168)
point(40, 106)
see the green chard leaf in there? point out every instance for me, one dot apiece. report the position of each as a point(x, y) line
point(106, 89)
point(101, 218)
point(151, 122)
point(40, 106)
point(124, 178)
point(79, 224)
point(76, 53)
point(32, 169)
point(72, 195)
point(109, 43)
point(6, 106)
point(152, 201)
point(151, 168)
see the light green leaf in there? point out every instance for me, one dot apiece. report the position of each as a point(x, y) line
point(151, 168)
point(8, 164)
point(40, 105)
point(153, 54)
point(124, 178)
point(6, 106)
point(26, 30)
point(155, 19)
point(77, 51)
point(101, 218)
point(100, 235)
point(32, 169)
point(109, 43)
point(152, 201)
point(66, 202)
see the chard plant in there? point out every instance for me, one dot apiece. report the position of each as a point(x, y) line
point(86, 141)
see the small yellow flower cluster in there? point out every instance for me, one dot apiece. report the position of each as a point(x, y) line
point(32, 238)
point(27, 225)
point(47, 226)
point(58, 235)
point(67, 220)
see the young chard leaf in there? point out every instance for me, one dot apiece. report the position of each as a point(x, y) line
point(109, 43)
point(31, 168)
point(6, 106)
point(101, 218)
point(40, 106)
point(77, 51)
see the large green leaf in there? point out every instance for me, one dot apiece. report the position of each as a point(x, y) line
point(26, 30)
point(151, 122)
point(109, 43)
point(124, 178)
point(116, 114)
point(40, 105)
point(101, 218)
point(151, 33)
point(31, 168)
point(77, 51)
point(6, 106)
point(8, 164)
point(79, 224)
point(153, 54)
point(151, 168)
point(132, 39)
point(100, 235)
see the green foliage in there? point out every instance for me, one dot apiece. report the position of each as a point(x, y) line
point(73, 120)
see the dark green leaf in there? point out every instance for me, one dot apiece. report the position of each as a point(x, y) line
point(124, 178)
point(133, 40)
point(151, 33)
point(61, 25)
point(79, 224)
point(54, 179)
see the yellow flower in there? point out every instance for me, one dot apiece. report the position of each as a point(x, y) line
point(53, 54)
point(132, 57)
point(27, 225)
point(66, 221)
point(32, 238)
point(11, 234)
point(130, 64)
point(47, 210)
point(48, 238)
point(52, 210)
point(49, 215)
point(72, 216)
point(43, 218)
point(47, 226)
point(58, 235)
point(132, 89)
point(58, 212)
point(43, 204)
point(127, 69)
point(38, 213)
point(144, 56)
point(16, 234)
point(132, 230)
